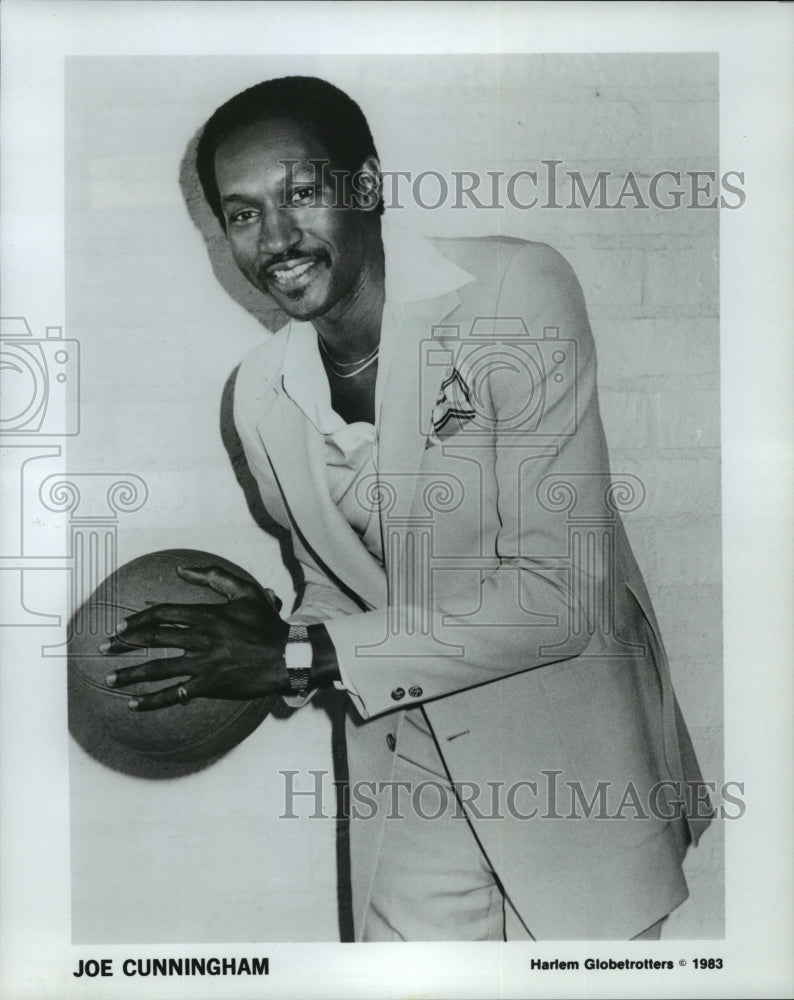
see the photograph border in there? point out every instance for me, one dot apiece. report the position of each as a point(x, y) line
point(755, 267)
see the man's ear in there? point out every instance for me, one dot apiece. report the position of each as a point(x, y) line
point(367, 185)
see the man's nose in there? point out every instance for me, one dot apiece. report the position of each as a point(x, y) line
point(278, 231)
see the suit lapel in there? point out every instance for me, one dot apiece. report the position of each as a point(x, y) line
point(409, 379)
point(297, 455)
point(414, 367)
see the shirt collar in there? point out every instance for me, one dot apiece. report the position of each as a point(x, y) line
point(304, 378)
point(415, 271)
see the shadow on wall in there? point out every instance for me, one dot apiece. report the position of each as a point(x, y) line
point(272, 318)
point(247, 483)
point(261, 306)
point(329, 701)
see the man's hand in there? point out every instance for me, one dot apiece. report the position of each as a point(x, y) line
point(231, 650)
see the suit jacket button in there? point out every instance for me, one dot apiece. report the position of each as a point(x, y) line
point(397, 693)
point(391, 743)
point(415, 691)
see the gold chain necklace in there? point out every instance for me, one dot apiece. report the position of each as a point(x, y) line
point(362, 363)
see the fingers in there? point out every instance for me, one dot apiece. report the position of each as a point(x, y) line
point(179, 694)
point(153, 670)
point(164, 625)
point(170, 614)
point(138, 636)
point(220, 580)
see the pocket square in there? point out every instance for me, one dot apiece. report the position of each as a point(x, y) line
point(452, 410)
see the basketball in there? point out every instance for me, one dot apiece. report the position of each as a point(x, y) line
point(166, 742)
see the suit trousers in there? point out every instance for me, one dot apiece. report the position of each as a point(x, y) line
point(433, 881)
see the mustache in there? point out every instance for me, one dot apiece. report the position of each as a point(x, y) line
point(290, 254)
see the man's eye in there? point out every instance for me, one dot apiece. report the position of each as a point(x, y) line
point(302, 196)
point(245, 215)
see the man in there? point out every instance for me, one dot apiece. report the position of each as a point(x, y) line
point(427, 428)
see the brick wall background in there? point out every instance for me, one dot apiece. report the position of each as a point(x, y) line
point(159, 339)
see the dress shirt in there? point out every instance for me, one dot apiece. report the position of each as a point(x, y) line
point(414, 271)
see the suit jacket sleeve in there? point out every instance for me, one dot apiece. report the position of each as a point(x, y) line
point(527, 601)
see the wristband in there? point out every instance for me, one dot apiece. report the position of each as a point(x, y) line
point(298, 659)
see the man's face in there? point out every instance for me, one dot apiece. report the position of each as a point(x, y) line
point(285, 230)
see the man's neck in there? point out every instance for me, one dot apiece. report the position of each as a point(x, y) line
point(352, 328)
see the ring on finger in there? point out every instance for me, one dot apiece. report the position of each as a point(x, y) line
point(182, 694)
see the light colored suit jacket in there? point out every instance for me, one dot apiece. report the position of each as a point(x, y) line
point(510, 606)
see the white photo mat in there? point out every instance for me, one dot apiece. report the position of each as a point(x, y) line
point(49, 47)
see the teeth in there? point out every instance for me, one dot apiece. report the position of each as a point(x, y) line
point(286, 276)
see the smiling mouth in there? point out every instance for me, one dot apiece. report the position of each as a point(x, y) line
point(292, 274)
